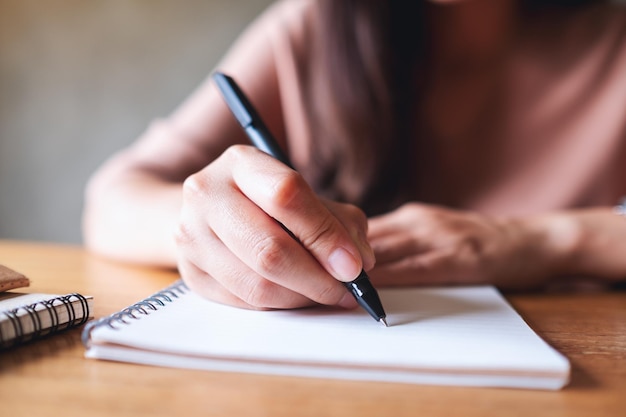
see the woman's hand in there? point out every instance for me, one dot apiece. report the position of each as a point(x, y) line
point(232, 250)
point(422, 244)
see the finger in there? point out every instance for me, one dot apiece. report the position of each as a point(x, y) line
point(232, 282)
point(394, 246)
point(430, 268)
point(384, 231)
point(265, 248)
point(284, 195)
point(204, 285)
point(414, 216)
point(355, 222)
point(407, 271)
point(392, 239)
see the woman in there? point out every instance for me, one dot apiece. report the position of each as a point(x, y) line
point(482, 138)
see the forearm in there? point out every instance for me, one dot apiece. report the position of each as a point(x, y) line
point(132, 216)
point(589, 243)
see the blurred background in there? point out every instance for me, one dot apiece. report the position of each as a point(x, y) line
point(80, 79)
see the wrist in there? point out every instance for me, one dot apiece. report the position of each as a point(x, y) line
point(557, 238)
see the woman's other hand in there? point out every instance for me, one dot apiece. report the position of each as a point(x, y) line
point(424, 244)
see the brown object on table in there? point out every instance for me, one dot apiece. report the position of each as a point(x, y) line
point(10, 279)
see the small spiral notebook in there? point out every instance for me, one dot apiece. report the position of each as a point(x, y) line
point(25, 317)
point(467, 336)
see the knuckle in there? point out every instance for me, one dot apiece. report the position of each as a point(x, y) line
point(417, 209)
point(321, 232)
point(183, 234)
point(195, 185)
point(287, 188)
point(471, 247)
point(234, 153)
point(269, 255)
point(201, 183)
point(475, 252)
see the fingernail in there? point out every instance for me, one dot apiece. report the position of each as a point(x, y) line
point(344, 265)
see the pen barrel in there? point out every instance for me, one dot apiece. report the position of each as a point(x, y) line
point(366, 295)
point(261, 138)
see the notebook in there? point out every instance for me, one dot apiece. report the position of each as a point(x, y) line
point(25, 317)
point(467, 336)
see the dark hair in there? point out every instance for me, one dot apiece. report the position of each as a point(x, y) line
point(362, 92)
point(353, 82)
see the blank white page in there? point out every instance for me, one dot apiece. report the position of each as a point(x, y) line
point(453, 331)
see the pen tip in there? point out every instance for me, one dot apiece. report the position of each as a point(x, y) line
point(383, 321)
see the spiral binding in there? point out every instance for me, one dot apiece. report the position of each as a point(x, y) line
point(135, 311)
point(35, 314)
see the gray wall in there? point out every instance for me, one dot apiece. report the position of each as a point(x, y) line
point(80, 79)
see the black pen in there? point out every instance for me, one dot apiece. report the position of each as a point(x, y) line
point(361, 288)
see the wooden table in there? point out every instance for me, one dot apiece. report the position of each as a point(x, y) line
point(52, 378)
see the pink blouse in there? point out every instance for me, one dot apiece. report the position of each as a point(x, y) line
point(547, 130)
